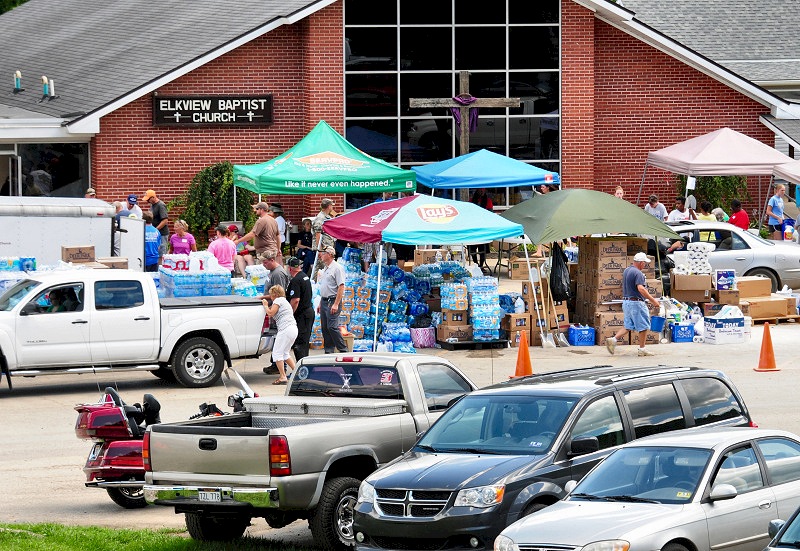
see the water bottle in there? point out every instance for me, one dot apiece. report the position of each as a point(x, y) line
point(438, 255)
point(788, 231)
point(519, 306)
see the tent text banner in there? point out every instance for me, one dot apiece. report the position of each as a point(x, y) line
point(211, 110)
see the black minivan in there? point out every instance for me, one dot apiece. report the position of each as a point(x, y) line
point(507, 450)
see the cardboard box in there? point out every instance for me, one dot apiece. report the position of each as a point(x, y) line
point(455, 317)
point(434, 304)
point(767, 307)
point(650, 340)
point(606, 280)
point(655, 287)
point(724, 331)
point(604, 321)
point(406, 265)
point(727, 297)
point(77, 254)
point(515, 336)
point(692, 296)
point(608, 247)
point(460, 332)
point(636, 245)
point(607, 295)
point(516, 322)
point(611, 265)
point(754, 286)
point(114, 262)
point(518, 268)
point(690, 282)
point(528, 290)
point(559, 316)
point(602, 334)
point(427, 256)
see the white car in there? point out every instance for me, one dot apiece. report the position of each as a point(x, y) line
point(745, 252)
point(695, 490)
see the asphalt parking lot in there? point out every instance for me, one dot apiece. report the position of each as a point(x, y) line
point(41, 459)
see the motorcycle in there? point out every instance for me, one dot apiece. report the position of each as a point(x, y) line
point(115, 461)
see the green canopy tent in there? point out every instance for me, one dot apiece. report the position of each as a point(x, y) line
point(323, 162)
point(568, 212)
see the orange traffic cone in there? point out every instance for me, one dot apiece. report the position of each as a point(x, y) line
point(523, 357)
point(766, 361)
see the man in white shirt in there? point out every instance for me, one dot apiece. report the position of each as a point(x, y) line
point(680, 212)
point(655, 208)
point(133, 205)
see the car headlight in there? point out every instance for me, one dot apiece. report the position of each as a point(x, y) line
point(366, 493)
point(504, 543)
point(607, 545)
point(482, 496)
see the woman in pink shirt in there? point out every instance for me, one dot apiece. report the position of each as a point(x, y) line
point(223, 248)
point(182, 242)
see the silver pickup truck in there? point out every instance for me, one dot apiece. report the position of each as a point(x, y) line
point(302, 455)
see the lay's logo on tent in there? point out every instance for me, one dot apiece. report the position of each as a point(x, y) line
point(548, 178)
point(437, 214)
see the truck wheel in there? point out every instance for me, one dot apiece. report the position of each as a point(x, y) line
point(332, 522)
point(165, 374)
point(198, 362)
point(204, 528)
point(129, 498)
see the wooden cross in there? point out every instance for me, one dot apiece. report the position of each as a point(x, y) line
point(463, 87)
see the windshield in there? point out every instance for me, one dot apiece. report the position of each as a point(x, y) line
point(791, 537)
point(656, 474)
point(509, 425)
point(16, 293)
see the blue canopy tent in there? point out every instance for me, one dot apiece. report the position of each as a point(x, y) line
point(483, 169)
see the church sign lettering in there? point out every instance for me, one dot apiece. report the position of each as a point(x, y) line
point(211, 110)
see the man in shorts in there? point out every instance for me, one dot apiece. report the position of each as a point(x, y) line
point(634, 306)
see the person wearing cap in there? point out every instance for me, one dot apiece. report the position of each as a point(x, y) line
point(264, 233)
point(90, 194)
point(160, 219)
point(244, 251)
point(635, 297)
point(299, 295)
point(655, 208)
point(223, 248)
point(331, 289)
point(322, 240)
point(133, 205)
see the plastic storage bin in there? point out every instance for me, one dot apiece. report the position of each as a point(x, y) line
point(580, 336)
point(682, 333)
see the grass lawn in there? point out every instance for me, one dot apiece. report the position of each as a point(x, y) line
point(55, 537)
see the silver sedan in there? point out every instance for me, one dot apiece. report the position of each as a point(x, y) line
point(745, 252)
point(696, 490)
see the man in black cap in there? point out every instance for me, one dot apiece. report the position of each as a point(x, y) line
point(299, 295)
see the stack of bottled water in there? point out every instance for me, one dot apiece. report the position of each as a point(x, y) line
point(243, 287)
point(454, 296)
point(485, 310)
point(10, 264)
point(397, 337)
point(258, 276)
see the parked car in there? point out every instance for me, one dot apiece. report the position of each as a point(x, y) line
point(692, 490)
point(745, 252)
point(506, 451)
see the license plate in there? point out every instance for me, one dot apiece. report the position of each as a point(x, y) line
point(209, 495)
point(95, 451)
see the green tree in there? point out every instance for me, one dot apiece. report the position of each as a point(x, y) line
point(209, 200)
point(717, 190)
point(7, 5)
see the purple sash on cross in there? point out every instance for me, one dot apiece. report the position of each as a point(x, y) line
point(465, 99)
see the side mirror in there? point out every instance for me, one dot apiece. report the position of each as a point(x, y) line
point(775, 526)
point(584, 445)
point(28, 309)
point(723, 491)
point(569, 486)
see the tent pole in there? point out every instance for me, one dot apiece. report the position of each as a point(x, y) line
point(377, 299)
point(641, 185)
point(766, 200)
point(316, 257)
point(234, 203)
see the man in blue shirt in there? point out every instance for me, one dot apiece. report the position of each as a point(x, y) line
point(152, 239)
point(634, 306)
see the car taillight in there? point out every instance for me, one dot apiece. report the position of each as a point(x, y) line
point(265, 325)
point(146, 452)
point(279, 459)
point(349, 359)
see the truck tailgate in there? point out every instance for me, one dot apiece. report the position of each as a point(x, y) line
point(232, 451)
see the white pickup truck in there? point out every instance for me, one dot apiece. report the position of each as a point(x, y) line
point(85, 321)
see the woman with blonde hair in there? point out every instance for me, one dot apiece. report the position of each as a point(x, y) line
point(182, 242)
point(279, 309)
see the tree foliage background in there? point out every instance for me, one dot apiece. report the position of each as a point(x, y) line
point(6, 5)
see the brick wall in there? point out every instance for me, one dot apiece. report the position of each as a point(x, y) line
point(644, 100)
point(131, 155)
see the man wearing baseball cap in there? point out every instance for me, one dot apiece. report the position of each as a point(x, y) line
point(160, 219)
point(331, 289)
point(634, 306)
point(133, 205)
point(265, 231)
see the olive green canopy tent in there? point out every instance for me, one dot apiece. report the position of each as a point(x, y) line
point(323, 162)
point(568, 212)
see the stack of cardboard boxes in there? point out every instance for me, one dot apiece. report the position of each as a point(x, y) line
point(601, 263)
point(538, 295)
point(455, 325)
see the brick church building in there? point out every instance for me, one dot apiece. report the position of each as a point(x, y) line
point(601, 84)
